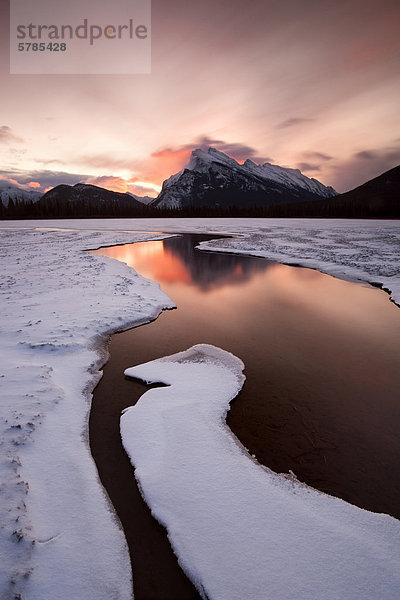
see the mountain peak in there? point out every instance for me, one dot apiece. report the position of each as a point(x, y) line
point(249, 163)
point(10, 191)
point(200, 159)
point(212, 178)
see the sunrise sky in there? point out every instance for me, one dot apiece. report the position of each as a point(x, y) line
point(310, 84)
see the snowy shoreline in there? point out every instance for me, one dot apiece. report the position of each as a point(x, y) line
point(354, 249)
point(223, 511)
point(360, 259)
point(60, 304)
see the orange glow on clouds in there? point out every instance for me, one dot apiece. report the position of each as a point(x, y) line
point(166, 162)
point(171, 154)
point(122, 186)
point(145, 185)
point(339, 61)
point(34, 184)
point(116, 184)
point(8, 180)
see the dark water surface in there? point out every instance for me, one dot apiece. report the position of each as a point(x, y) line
point(322, 391)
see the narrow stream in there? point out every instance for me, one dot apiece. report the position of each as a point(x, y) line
point(321, 396)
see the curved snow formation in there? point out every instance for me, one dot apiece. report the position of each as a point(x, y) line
point(238, 529)
point(59, 537)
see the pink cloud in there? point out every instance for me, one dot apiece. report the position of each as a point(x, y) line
point(13, 181)
point(34, 184)
point(141, 190)
point(169, 160)
point(164, 163)
point(116, 184)
point(7, 136)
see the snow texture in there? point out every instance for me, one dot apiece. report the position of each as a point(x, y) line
point(239, 530)
point(201, 161)
point(219, 170)
point(357, 250)
point(59, 537)
point(292, 178)
point(58, 305)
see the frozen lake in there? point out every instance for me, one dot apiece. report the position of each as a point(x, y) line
point(321, 395)
point(320, 358)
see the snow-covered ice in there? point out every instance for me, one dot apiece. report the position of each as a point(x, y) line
point(360, 250)
point(240, 530)
point(59, 537)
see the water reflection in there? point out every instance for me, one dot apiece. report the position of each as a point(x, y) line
point(321, 356)
point(322, 387)
point(175, 260)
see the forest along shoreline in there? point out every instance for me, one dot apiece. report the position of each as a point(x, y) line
point(318, 351)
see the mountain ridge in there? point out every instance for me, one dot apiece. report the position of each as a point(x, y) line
point(9, 191)
point(87, 193)
point(376, 198)
point(66, 193)
point(213, 178)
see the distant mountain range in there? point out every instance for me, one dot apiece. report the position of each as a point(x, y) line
point(12, 192)
point(68, 194)
point(83, 195)
point(213, 184)
point(213, 179)
point(142, 199)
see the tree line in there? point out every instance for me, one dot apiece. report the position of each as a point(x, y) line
point(81, 209)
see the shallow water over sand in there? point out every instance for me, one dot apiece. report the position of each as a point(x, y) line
point(323, 373)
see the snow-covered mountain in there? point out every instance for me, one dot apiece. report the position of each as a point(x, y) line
point(214, 179)
point(12, 192)
point(142, 199)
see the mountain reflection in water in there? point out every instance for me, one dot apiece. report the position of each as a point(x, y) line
point(321, 395)
point(321, 358)
point(176, 260)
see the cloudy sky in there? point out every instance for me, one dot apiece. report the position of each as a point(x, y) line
point(306, 84)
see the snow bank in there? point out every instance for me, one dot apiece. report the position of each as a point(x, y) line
point(59, 537)
point(358, 249)
point(239, 530)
